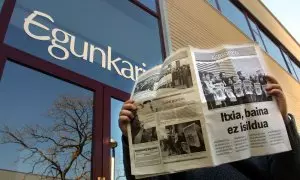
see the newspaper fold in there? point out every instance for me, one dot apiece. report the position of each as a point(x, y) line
point(203, 108)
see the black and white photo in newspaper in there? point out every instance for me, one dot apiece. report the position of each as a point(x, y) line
point(242, 120)
point(181, 134)
point(145, 155)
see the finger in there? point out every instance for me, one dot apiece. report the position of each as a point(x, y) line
point(275, 92)
point(129, 101)
point(123, 121)
point(129, 107)
point(125, 112)
point(273, 86)
point(271, 79)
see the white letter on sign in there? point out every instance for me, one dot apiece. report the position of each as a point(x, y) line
point(30, 20)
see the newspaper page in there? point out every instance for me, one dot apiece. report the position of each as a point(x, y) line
point(145, 155)
point(241, 119)
point(203, 108)
point(169, 110)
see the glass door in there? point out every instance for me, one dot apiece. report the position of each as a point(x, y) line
point(113, 150)
point(50, 127)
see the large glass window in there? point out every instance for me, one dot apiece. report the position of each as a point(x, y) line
point(274, 51)
point(45, 126)
point(291, 65)
point(109, 41)
point(256, 32)
point(151, 4)
point(235, 16)
point(297, 70)
point(213, 3)
point(116, 135)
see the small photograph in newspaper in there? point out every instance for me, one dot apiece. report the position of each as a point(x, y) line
point(182, 138)
point(141, 133)
point(147, 85)
point(177, 82)
point(231, 82)
point(175, 76)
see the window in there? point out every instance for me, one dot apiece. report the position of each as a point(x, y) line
point(43, 122)
point(297, 70)
point(236, 16)
point(252, 30)
point(213, 3)
point(274, 51)
point(116, 135)
point(100, 32)
point(292, 66)
point(151, 4)
point(256, 32)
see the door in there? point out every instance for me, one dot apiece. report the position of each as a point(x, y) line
point(112, 147)
point(50, 120)
point(58, 55)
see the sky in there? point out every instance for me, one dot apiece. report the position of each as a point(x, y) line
point(26, 97)
point(287, 12)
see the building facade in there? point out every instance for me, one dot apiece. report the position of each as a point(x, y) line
point(66, 67)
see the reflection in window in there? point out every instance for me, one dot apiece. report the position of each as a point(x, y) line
point(291, 65)
point(235, 16)
point(297, 70)
point(256, 33)
point(294, 68)
point(45, 126)
point(213, 3)
point(1, 4)
point(116, 135)
point(274, 51)
point(151, 4)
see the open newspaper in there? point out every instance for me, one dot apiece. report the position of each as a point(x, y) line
point(203, 108)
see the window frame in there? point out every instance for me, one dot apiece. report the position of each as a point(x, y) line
point(100, 165)
point(34, 63)
point(8, 53)
point(261, 28)
point(157, 15)
point(108, 94)
point(145, 8)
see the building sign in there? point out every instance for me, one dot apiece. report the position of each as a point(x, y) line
point(122, 67)
point(111, 42)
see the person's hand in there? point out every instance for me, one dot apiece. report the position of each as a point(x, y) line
point(273, 88)
point(126, 115)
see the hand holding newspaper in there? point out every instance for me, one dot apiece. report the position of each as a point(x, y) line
point(204, 108)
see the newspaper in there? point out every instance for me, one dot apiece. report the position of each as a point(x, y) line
point(203, 108)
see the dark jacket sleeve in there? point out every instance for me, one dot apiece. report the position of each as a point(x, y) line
point(287, 165)
point(126, 159)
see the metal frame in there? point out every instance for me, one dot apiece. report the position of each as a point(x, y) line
point(109, 93)
point(165, 33)
point(145, 8)
point(102, 93)
point(157, 15)
point(161, 33)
